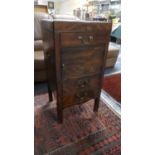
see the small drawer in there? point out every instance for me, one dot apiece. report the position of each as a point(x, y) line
point(82, 39)
point(83, 96)
point(82, 26)
point(78, 98)
point(70, 87)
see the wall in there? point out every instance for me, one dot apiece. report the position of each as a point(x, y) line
point(64, 6)
point(40, 8)
point(67, 6)
point(56, 3)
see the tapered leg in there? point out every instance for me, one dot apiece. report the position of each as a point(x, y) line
point(59, 108)
point(60, 115)
point(50, 93)
point(96, 104)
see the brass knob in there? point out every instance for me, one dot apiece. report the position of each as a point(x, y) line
point(80, 37)
point(83, 40)
point(63, 66)
point(83, 83)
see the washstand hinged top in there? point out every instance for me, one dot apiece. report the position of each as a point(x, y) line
point(78, 57)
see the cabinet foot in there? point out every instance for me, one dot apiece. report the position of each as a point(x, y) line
point(60, 116)
point(96, 104)
point(50, 93)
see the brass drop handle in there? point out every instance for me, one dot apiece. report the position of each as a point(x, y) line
point(63, 66)
point(91, 37)
point(81, 96)
point(84, 41)
point(83, 83)
point(80, 37)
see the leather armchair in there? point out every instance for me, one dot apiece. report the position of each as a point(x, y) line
point(113, 52)
point(39, 64)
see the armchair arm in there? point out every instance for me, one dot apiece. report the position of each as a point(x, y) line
point(47, 35)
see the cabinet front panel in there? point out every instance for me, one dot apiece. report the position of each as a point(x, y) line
point(81, 62)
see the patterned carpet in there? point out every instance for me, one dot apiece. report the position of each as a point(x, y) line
point(83, 132)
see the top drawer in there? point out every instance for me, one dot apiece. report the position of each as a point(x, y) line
point(77, 26)
point(82, 39)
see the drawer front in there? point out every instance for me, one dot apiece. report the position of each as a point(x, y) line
point(80, 90)
point(82, 62)
point(78, 98)
point(82, 27)
point(82, 39)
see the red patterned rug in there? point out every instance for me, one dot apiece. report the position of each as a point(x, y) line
point(83, 132)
